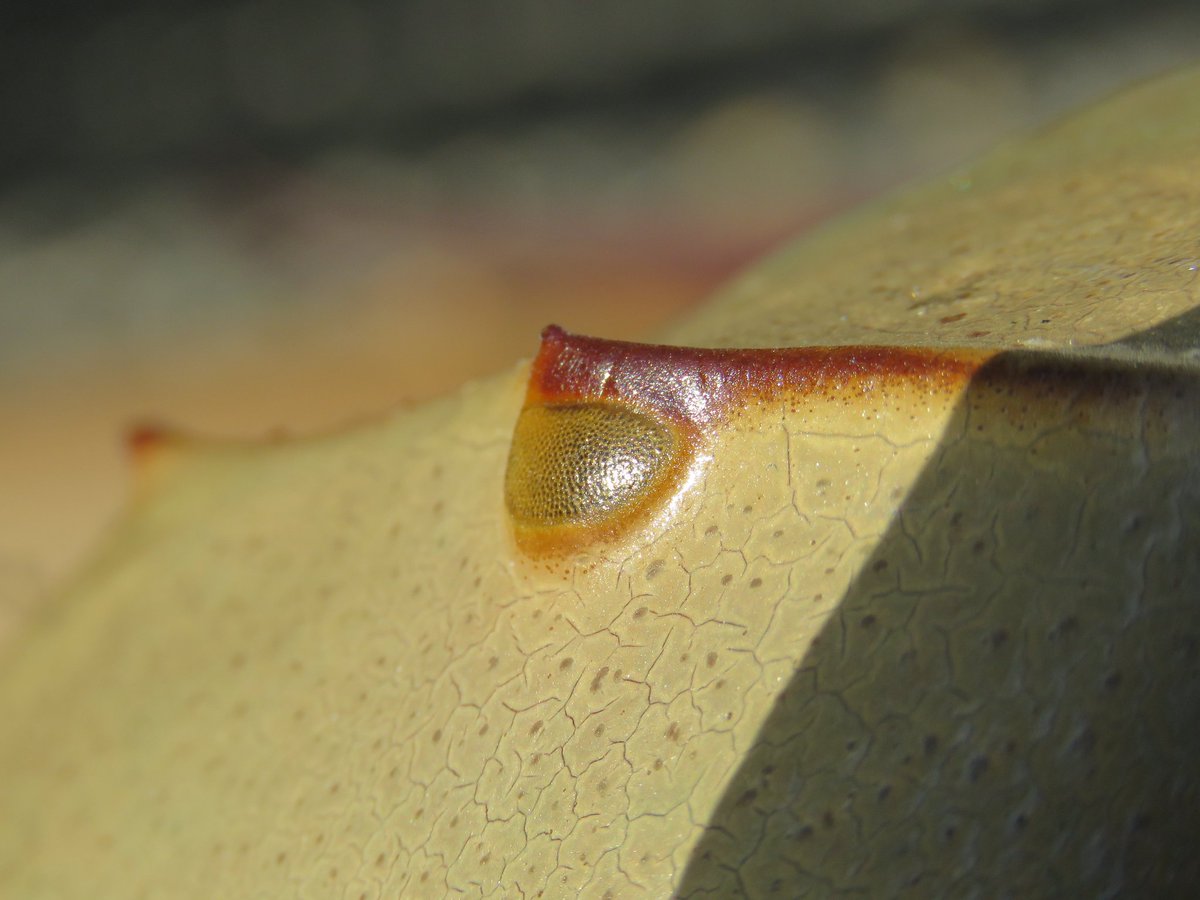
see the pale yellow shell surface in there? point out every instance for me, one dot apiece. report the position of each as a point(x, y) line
point(944, 643)
point(1079, 235)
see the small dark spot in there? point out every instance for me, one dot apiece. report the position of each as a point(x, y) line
point(747, 509)
point(280, 858)
point(747, 798)
point(536, 727)
point(1020, 822)
point(726, 579)
point(720, 683)
point(998, 638)
point(654, 568)
point(602, 788)
point(711, 530)
point(879, 565)
point(658, 764)
point(777, 533)
point(827, 818)
point(978, 547)
point(483, 729)
point(755, 582)
point(599, 677)
point(868, 620)
point(1140, 821)
point(380, 860)
point(437, 735)
point(930, 744)
point(884, 793)
point(977, 768)
point(640, 612)
point(803, 833)
point(950, 832)
point(673, 731)
point(684, 657)
point(1065, 628)
point(493, 662)
point(1084, 742)
point(598, 730)
point(1113, 681)
point(956, 317)
point(710, 660)
point(566, 663)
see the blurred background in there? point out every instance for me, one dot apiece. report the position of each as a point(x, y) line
point(240, 216)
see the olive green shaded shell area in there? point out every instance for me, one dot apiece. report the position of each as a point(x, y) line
point(580, 463)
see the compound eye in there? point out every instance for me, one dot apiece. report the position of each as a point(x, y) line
point(586, 465)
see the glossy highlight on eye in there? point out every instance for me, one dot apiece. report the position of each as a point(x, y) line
point(580, 463)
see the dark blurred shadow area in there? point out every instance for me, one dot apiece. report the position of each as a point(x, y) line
point(1004, 702)
point(123, 84)
point(252, 214)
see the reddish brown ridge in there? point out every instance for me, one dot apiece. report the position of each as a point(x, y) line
point(699, 386)
point(559, 486)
